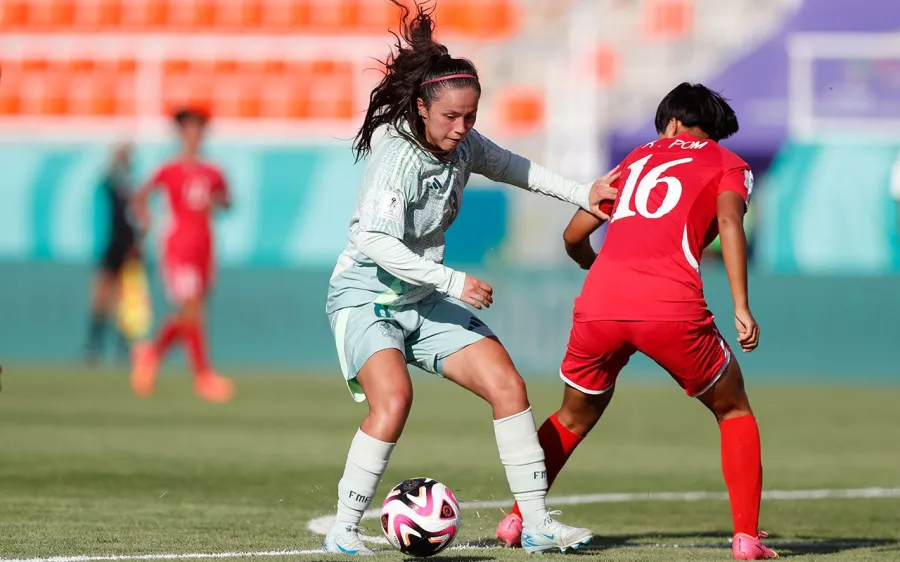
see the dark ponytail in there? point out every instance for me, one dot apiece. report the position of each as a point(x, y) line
point(394, 99)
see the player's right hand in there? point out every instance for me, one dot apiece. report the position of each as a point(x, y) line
point(477, 293)
point(602, 190)
point(747, 329)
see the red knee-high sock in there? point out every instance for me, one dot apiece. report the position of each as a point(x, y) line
point(196, 344)
point(167, 336)
point(742, 468)
point(558, 444)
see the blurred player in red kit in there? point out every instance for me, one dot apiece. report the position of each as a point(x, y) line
point(194, 190)
point(644, 293)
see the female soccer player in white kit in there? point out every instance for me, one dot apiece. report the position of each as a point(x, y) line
point(391, 302)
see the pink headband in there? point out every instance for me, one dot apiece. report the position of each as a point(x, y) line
point(450, 77)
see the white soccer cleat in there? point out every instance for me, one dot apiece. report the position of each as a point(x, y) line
point(550, 534)
point(346, 540)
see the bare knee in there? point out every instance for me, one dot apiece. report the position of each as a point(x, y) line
point(506, 393)
point(580, 411)
point(486, 369)
point(385, 380)
point(727, 398)
point(388, 416)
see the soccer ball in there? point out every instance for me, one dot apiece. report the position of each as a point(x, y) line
point(420, 517)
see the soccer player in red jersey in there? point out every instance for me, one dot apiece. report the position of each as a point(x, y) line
point(644, 293)
point(195, 189)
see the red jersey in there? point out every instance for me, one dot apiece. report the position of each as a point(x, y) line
point(664, 216)
point(191, 188)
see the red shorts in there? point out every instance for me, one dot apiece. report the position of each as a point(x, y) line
point(187, 271)
point(693, 352)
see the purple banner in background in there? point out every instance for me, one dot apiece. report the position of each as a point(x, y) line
point(756, 82)
point(856, 88)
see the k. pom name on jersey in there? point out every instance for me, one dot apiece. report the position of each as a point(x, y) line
point(679, 143)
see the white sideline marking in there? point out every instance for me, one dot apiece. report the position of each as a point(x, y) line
point(193, 556)
point(320, 525)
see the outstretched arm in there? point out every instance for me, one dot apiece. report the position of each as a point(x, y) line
point(501, 165)
point(577, 238)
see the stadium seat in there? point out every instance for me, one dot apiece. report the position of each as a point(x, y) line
point(377, 17)
point(331, 89)
point(59, 14)
point(477, 19)
point(13, 15)
point(143, 15)
point(56, 85)
point(333, 16)
point(606, 64)
point(520, 109)
point(10, 87)
point(109, 14)
point(668, 19)
point(246, 15)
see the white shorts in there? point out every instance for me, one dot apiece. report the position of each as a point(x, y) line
point(425, 332)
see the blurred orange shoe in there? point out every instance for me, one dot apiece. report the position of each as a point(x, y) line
point(143, 371)
point(214, 388)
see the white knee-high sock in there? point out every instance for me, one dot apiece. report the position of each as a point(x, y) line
point(523, 459)
point(366, 461)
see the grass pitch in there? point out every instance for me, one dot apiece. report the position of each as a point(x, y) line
point(88, 469)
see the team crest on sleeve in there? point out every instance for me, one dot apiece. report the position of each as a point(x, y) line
point(390, 207)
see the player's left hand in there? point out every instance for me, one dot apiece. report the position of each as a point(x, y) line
point(747, 329)
point(602, 190)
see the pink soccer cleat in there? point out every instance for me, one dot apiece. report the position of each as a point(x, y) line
point(745, 547)
point(509, 531)
point(214, 388)
point(145, 361)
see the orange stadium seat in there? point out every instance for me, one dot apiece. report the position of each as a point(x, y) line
point(297, 81)
point(285, 15)
point(479, 19)
point(606, 64)
point(377, 16)
point(176, 66)
point(225, 67)
point(60, 13)
point(10, 87)
point(250, 99)
point(35, 66)
point(236, 15)
point(235, 88)
point(274, 98)
point(83, 90)
point(197, 15)
point(125, 97)
point(53, 96)
point(274, 67)
point(333, 16)
point(13, 14)
point(101, 14)
point(331, 89)
point(520, 109)
point(141, 15)
point(187, 83)
point(668, 19)
point(471, 18)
